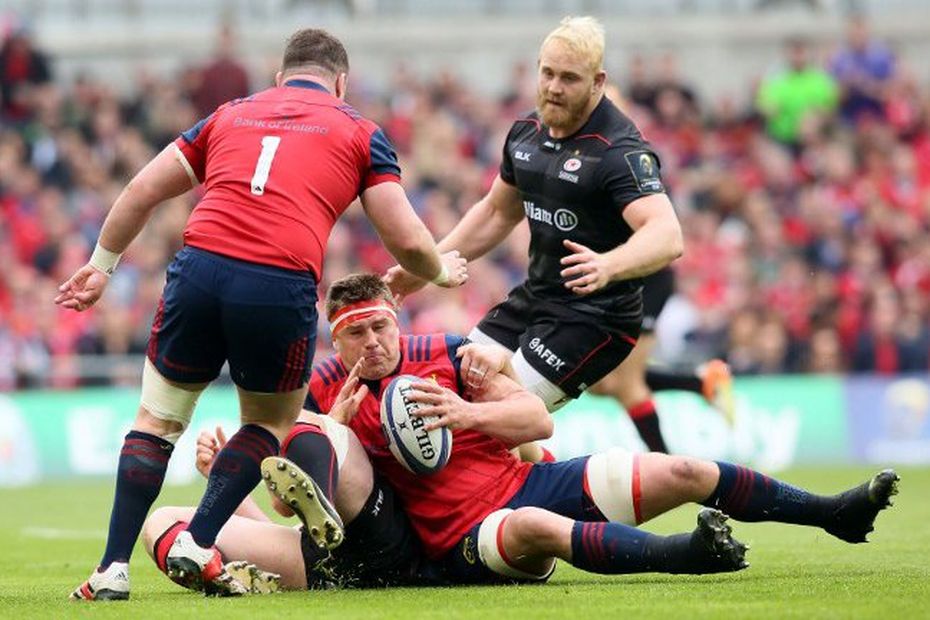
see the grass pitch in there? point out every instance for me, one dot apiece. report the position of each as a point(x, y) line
point(52, 535)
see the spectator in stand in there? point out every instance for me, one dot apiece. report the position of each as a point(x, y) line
point(801, 90)
point(223, 79)
point(864, 68)
point(824, 355)
point(888, 344)
point(23, 71)
point(848, 208)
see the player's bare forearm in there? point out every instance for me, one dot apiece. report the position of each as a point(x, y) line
point(651, 248)
point(487, 223)
point(656, 241)
point(516, 419)
point(484, 226)
point(401, 230)
point(419, 255)
point(161, 179)
point(506, 411)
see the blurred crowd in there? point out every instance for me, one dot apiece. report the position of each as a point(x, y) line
point(806, 213)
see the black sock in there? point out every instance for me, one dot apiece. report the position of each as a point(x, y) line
point(614, 548)
point(658, 380)
point(311, 450)
point(748, 495)
point(139, 476)
point(646, 420)
point(235, 472)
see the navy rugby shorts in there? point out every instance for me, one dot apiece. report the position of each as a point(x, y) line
point(572, 345)
point(557, 487)
point(214, 309)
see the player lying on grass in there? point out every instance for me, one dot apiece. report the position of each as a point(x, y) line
point(487, 516)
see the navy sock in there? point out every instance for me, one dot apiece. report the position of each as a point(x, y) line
point(646, 419)
point(748, 495)
point(658, 380)
point(235, 472)
point(310, 449)
point(139, 476)
point(614, 548)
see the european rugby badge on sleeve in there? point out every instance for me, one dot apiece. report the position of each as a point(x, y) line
point(645, 169)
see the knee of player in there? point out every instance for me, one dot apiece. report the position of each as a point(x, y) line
point(531, 529)
point(689, 474)
point(157, 523)
point(604, 387)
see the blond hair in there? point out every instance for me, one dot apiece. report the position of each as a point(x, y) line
point(583, 36)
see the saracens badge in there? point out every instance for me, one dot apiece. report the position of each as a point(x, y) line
point(571, 165)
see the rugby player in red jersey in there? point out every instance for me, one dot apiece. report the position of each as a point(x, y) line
point(487, 516)
point(278, 168)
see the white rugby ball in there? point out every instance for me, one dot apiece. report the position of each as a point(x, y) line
point(421, 451)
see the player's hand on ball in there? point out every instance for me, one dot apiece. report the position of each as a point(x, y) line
point(586, 271)
point(480, 363)
point(83, 289)
point(350, 397)
point(208, 446)
point(447, 406)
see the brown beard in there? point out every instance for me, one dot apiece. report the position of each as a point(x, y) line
point(561, 117)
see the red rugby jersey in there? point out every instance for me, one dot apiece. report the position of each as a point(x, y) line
point(482, 474)
point(278, 168)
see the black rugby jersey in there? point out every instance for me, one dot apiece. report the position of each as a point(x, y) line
point(576, 188)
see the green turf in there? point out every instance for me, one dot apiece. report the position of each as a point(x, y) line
point(796, 572)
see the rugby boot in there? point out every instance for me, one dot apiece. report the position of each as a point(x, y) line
point(195, 568)
point(711, 548)
point(111, 584)
point(855, 510)
point(255, 580)
point(300, 493)
point(717, 388)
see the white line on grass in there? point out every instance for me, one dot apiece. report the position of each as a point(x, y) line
point(52, 533)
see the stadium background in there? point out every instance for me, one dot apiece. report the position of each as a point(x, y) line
point(807, 265)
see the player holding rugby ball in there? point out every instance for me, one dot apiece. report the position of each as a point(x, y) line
point(486, 516)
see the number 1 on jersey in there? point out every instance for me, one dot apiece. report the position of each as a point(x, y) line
point(263, 166)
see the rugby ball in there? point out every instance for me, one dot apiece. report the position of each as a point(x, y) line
point(422, 452)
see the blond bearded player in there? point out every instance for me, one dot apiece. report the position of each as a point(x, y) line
point(588, 184)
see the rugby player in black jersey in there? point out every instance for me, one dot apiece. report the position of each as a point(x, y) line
point(581, 173)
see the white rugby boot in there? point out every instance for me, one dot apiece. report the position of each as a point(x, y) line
point(190, 565)
point(111, 584)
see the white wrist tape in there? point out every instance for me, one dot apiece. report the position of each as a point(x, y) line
point(104, 260)
point(443, 276)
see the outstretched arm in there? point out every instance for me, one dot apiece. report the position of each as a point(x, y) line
point(162, 178)
point(482, 228)
point(406, 237)
point(487, 223)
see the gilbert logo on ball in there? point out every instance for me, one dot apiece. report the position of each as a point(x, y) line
point(419, 450)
